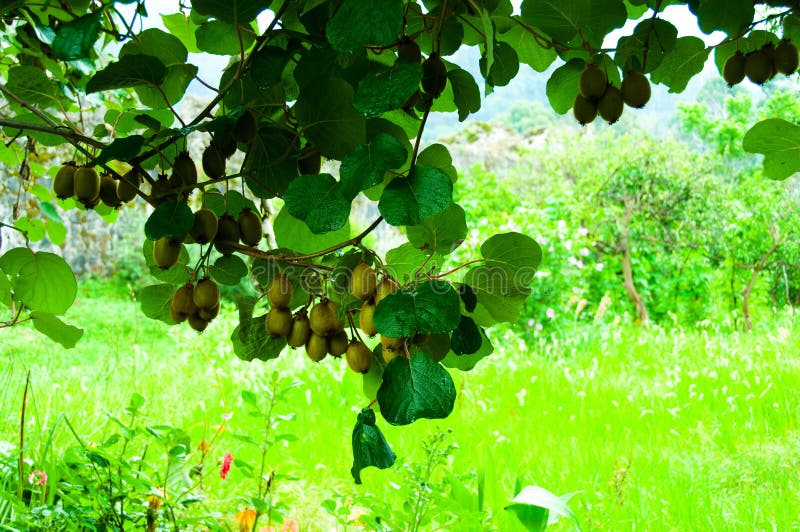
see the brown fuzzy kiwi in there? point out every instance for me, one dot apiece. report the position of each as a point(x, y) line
point(280, 291)
point(87, 185)
point(434, 75)
point(278, 322)
point(635, 89)
point(176, 315)
point(337, 344)
point(227, 231)
point(300, 331)
point(226, 144)
point(384, 288)
point(758, 67)
point(391, 347)
point(733, 70)
point(786, 57)
point(184, 171)
point(585, 111)
point(593, 82)
point(310, 163)
point(183, 300)
point(128, 188)
point(359, 356)
point(366, 318)
point(205, 225)
point(161, 189)
point(250, 229)
point(206, 294)
point(610, 105)
point(64, 182)
point(166, 252)
point(316, 347)
point(323, 318)
point(108, 191)
point(209, 314)
point(197, 323)
point(409, 50)
point(213, 161)
point(363, 281)
point(246, 127)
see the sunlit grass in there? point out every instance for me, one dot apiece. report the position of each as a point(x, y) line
point(654, 429)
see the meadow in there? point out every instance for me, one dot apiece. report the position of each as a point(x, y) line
point(658, 428)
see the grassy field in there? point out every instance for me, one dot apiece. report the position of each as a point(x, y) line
point(651, 429)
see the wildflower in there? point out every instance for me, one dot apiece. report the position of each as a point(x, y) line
point(246, 519)
point(37, 478)
point(226, 465)
point(227, 416)
point(155, 498)
point(531, 323)
point(290, 525)
point(551, 313)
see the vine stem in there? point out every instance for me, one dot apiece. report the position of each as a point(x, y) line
point(22, 436)
point(457, 268)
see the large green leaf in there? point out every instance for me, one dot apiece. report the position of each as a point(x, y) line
point(121, 149)
point(516, 255)
point(537, 508)
point(318, 201)
point(442, 233)
point(267, 169)
point(730, 17)
point(563, 19)
point(228, 270)
point(231, 10)
point(156, 300)
point(357, 23)
point(75, 39)
point(129, 71)
point(171, 90)
point(55, 329)
point(159, 44)
point(467, 337)
point(369, 446)
point(388, 89)
point(221, 38)
point(325, 110)
point(504, 67)
point(250, 338)
point(42, 281)
point(410, 200)
point(681, 64)
point(182, 28)
point(429, 307)
point(365, 166)
point(32, 86)
point(466, 94)
point(529, 50)
point(467, 362)
point(414, 389)
point(563, 85)
point(172, 218)
point(657, 37)
point(401, 262)
point(779, 142)
point(294, 234)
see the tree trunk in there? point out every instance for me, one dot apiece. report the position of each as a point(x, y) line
point(757, 267)
point(629, 285)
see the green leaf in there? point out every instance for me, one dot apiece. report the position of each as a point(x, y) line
point(266, 168)
point(537, 508)
point(231, 10)
point(504, 67)
point(156, 43)
point(177, 275)
point(562, 19)
point(129, 71)
point(403, 261)
point(516, 255)
point(121, 149)
point(173, 88)
point(468, 362)
point(438, 156)
point(466, 94)
point(250, 338)
point(294, 234)
point(529, 51)
point(220, 38)
point(172, 218)
point(442, 233)
point(325, 110)
point(389, 89)
point(365, 166)
point(182, 28)
point(681, 64)
point(317, 200)
point(75, 39)
point(32, 85)
point(657, 37)
point(43, 281)
point(414, 389)
point(779, 142)
point(429, 307)
point(369, 446)
point(466, 338)
point(730, 17)
point(55, 329)
point(357, 23)
point(563, 85)
point(410, 200)
point(56, 232)
point(156, 300)
point(228, 270)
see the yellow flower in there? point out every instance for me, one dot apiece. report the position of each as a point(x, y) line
point(246, 519)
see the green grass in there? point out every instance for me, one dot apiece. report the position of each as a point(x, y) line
point(653, 429)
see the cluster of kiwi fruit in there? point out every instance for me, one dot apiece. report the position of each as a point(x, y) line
point(90, 188)
point(761, 65)
point(598, 96)
point(434, 73)
point(197, 305)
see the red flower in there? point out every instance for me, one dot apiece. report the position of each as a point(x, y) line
point(226, 465)
point(37, 478)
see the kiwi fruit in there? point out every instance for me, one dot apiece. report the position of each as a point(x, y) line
point(197, 323)
point(250, 229)
point(87, 185)
point(585, 111)
point(593, 82)
point(635, 89)
point(176, 315)
point(280, 291)
point(384, 288)
point(226, 144)
point(166, 251)
point(409, 50)
point(206, 294)
point(359, 356)
point(128, 188)
point(323, 318)
point(310, 163)
point(769, 51)
point(279, 322)
point(184, 171)
point(392, 347)
point(245, 128)
point(213, 161)
point(300, 331)
point(227, 231)
point(317, 347)
point(366, 318)
point(337, 344)
point(434, 75)
point(160, 189)
point(610, 105)
point(204, 228)
point(733, 69)
point(363, 281)
point(209, 314)
point(758, 67)
point(183, 300)
point(108, 191)
point(786, 57)
point(64, 182)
